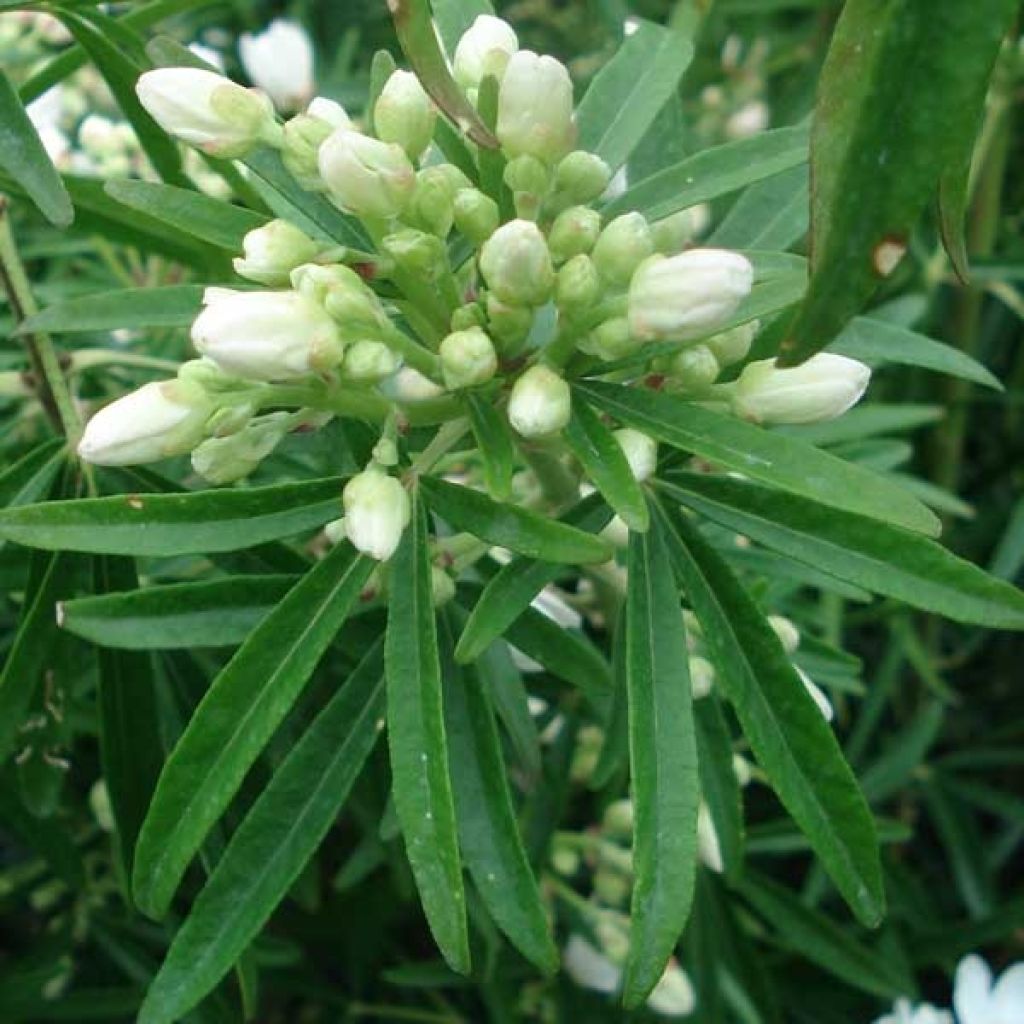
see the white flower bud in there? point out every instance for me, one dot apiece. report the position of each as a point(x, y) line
point(695, 369)
point(535, 108)
point(640, 450)
point(279, 61)
point(702, 676)
point(404, 114)
point(409, 386)
point(817, 694)
point(750, 119)
point(158, 420)
point(824, 387)
point(672, 233)
point(673, 996)
point(709, 850)
point(516, 264)
point(367, 362)
point(540, 402)
point(467, 358)
point(733, 345)
point(484, 49)
point(273, 251)
point(365, 176)
point(590, 968)
point(788, 634)
point(377, 511)
point(303, 135)
point(207, 110)
point(618, 818)
point(267, 335)
point(676, 298)
point(622, 246)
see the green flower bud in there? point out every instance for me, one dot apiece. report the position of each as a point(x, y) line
point(467, 359)
point(695, 369)
point(508, 324)
point(404, 114)
point(640, 450)
point(527, 174)
point(431, 206)
point(674, 232)
point(367, 362)
point(316, 281)
point(476, 215)
point(223, 460)
point(540, 402)
point(273, 251)
point(577, 286)
point(610, 341)
point(611, 887)
point(469, 315)
point(733, 346)
point(702, 676)
point(442, 587)
point(582, 176)
point(365, 176)
point(303, 135)
point(574, 232)
point(623, 245)
point(416, 252)
point(617, 820)
point(516, 264)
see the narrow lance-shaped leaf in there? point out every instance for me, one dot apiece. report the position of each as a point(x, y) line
point(271, 846)
point(246, 703)
point(174, 305)
point(787, 733)
point(663, 764)
point(418, 746)
point(720, 789)
point(491, 432)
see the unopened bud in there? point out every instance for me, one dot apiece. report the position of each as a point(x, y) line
point(733, 345)
point(367, 362)
point(516, 264)
point(469, 315)
point(535, 108)
point(702, 676)
point(476, 215)
point(788, 634)
point(409, 386)
point(528, 179)
point(365, 176)
point(223, 460)
point(273, 251)
point(467, 359)
point(695, 369)
point(623, 245)
point(302, 137)
point(672, 233)
point(577, 286)
point(416, 251)
point(442, 586)
point(508, 324)
point(617, 820)
point(673, 996)
point(824, 387)
point(640, 450)
point(404, 114)
point(540, 402)
point(483, 50)
point(709, 850)
point(816, 693)
point(574, 232)
point(207, 110)
point(377, 511)
point(610, 340)
point(267, 335)
point(279, 60)
point(156, 421)
point(581, 176)
point(611, 887)
point(676, 298)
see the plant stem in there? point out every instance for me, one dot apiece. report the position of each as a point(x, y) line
point(444, 440)
point(50, 383)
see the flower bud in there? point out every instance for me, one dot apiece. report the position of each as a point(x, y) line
point(416, 251)
point(223, 460)
point(467, 359)
point(581, 176)
point(732, 346)
point(824, 387)
point(516, 264)
point(676, 298)
point(476, 215)
point(702, 676)
point(610, 340)
point(158, 420)
point(273, 251)
point(484, 49)
point(207, 110)
point(279, 61)
point(442, 587)
point(788, 634)
point(508, 324)
point(617, 820)
point(469, 315)
point(365, 176)
point(527, 174)
point(673, 996)
point(377, 511)
point(404, 114)
point(367, 362)
point(573, 233)
point(535, 108)
point(589, 967)
point(267, 335)
point(695, 369)
point(709, 850)
point(577, 286)
point(623, 245)
point(540, 402)
point(611, 887)
point(303, 135)
point(816, 693)
point(640, 450)
point(672, 233)
point(409, 386)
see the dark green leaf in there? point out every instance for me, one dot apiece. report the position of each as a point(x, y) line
point(30, 477)
point(490, 429)
point(718, 783)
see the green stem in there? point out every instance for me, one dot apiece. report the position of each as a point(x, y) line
point(414, 354)
point(443, 442)
point(50, 383)
point(561, 349)
point(88, 358)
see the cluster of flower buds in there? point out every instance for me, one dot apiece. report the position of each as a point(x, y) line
point(509, 292)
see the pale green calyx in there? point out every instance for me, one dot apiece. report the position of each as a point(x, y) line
point(695, 369)
point(732, 346)
point(223, 460)
point(467, 358)
point(540, 403)
point(405, 114)
point(516, 264)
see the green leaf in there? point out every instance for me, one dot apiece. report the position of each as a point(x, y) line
point(714, 172)
point(875, 341)
point(518, 583)
point(512, 526)
point(898, 102)
point(419, 749)
point(273, 843)
point(772, 458)
point(174, 305)
point(211, 220)
point(23, 157)
point(491, 432)
point(787, 733)
point(881, 558)
point(614, 755)
point(626, 94)
point(771, 214)
point(865, 422)
point(662, 762)
point(30, 477)
point(195, 522)
point(239, 713)
point(488, 833)
point(208, 613)
point(606, 465)
point(719, 786)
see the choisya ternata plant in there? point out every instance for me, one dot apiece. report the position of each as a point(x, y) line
point(550, 378)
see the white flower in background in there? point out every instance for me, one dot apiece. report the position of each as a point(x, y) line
point(817, 694)
point(209, 54)
point(540, 402)
point(822, 388)
point(365, 176)
point(904, 1012)
point(640, 450)
point(279, 61)
point(709, 850)
point(977, 1000)
point(207, 110)
point(535, 108)
point(673, 996)
point(750, 119)
point(45, 114)
point(377, 511)
point(484, 49)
